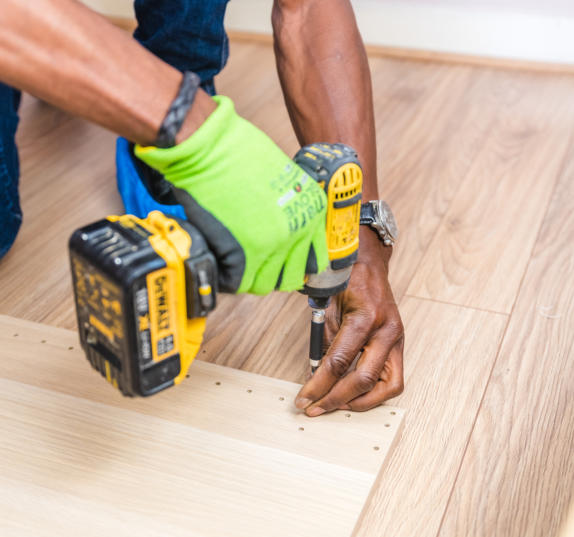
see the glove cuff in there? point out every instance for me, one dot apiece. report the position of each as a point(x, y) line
point(200, 142)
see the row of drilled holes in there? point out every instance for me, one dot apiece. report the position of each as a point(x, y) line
point(249, 390)
point(347, 415)
point(70, 348)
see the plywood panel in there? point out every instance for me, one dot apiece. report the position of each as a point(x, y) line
point(517, 477)
point(225, 453)
point(481, 250)
point(450, 351)
point(568, 528)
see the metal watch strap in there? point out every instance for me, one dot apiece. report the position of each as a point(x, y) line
point(178, 110)
point(378, 216)
point(367, 214)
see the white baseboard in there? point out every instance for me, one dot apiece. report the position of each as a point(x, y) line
point(491, 32)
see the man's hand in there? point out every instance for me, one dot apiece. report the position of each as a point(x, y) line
point(363, 319)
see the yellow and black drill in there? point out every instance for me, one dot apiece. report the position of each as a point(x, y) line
point(143, 287)
point(337, 169)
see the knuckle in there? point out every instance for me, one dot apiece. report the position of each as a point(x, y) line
point(371, 317)
point(366, 380)
point(337, 365)
point(395, 327)
point(397, 387)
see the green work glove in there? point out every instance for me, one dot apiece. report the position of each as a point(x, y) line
point(262, 216)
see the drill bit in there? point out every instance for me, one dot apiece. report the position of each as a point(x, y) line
point(318, 306)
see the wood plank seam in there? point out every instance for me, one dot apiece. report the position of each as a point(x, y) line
point(447, 303)
point(440, 223)
point(478, 257)
point(563, 167)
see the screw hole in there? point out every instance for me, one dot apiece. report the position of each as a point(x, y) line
point(43, 341)
point(249, 391)
point(347, 415)
point(70, 348)
point(387, 424)
point(186, 376)
point(281, 398)
point(218, 383)
point(393, 412)
point(301, 428)
point(15, 335)
point(376, 448)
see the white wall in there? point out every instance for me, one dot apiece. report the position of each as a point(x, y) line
point(535, 30)
point(548, 7)
point(516, 29)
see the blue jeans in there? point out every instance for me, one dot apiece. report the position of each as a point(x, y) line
point(10, 212)
point(187, 34)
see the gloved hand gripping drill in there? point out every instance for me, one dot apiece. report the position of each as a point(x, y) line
point(143, 287)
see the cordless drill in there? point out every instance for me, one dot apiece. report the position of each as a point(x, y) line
point(337, 169)
point(143, 287)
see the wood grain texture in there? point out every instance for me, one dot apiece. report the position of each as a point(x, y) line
point(468, 155)
point(450, 353)
point(223, 454)
point(517, 477)
point(480, 252)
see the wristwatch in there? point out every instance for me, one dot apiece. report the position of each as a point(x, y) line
point(378, 215)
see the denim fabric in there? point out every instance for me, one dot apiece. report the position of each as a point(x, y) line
point(10, 212)
point(189, 35)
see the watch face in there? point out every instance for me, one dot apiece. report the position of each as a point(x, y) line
point(389, 220)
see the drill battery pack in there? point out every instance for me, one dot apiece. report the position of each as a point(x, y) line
point(143, 289)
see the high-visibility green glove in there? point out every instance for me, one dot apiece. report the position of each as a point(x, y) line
point(262, 216)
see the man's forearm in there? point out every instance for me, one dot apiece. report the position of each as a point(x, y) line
point(325, 77)
point(71, 57)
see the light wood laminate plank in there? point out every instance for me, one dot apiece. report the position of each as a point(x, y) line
point(480, 253)
point(517, 477)
point(450, 353)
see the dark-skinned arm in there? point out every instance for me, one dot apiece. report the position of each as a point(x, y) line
point(326, 81)
point(71, 57)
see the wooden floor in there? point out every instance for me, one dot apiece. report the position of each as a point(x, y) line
point(478, 165)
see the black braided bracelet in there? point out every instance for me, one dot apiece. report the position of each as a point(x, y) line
point(178, 110)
